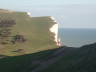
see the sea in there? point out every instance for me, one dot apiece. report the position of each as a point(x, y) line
point(73, 37)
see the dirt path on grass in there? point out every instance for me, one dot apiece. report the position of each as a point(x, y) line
point(57, 55)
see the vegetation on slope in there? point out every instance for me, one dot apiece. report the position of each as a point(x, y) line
point(35, 30)
point(72, 60)
point(82, 59)
point(24, 63)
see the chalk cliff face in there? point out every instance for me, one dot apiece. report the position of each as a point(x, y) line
point(29, 14)
point(54, 29)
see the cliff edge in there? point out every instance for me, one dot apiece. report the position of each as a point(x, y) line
point(24, 34)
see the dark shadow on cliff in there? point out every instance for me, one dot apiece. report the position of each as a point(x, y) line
point(81, 59)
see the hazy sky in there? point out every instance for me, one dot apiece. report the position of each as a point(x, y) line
point(35, 2)
point(22, 3)
point(69, 13)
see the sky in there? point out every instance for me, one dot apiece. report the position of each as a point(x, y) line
point(69, 13)
point(21, 3)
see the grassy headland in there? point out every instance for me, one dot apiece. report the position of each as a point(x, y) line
point(35, 30)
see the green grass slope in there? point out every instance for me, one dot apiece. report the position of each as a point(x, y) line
point(24, 63)
point(35, 30)
point(81, 59)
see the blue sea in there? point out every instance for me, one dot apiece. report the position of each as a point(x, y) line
point(77, 37)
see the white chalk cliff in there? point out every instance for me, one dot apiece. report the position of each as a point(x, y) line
point(54, 29)
point(29, 14)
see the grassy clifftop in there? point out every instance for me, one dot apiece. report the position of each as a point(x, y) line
point(35, 30)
